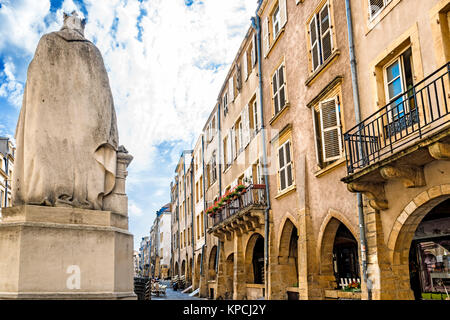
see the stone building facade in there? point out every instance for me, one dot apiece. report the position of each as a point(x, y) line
point(160, 251)
point(7, 151)
point(299, 122)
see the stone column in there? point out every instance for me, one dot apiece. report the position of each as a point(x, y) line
point(379, 268)
point(239, 284)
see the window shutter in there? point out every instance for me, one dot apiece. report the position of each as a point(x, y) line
point(283, 13)
point(245, 66)
point(233, 143)
point(231, 88)
point(245, 126)
point(375, 6)
point(229, 156)
point(325, 32)
point(265, 31)
point(248, 175)
point(254, 50)
point(258, 104)
point(313, 35)
point(316, 138)
point(281, 170)
point(238, 78)
point(331, 130)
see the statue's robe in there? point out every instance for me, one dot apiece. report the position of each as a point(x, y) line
point(66, 135)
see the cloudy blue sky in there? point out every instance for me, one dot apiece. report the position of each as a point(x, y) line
point(166, 61)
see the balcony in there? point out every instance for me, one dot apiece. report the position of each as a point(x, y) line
point(242, 214)
point(401, 137)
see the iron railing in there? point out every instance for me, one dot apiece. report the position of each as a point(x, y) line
point(255, 195)
point(418, 111)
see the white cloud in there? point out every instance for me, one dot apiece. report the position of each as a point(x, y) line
point(134, 209)
point(11, 88)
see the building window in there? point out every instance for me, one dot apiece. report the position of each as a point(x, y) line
point(278, 87)
point(398, 78)
point(376, 6)
point(320, 35)
point(202, 225)
point(276, 21)
point(225, 103)
point(285, 166)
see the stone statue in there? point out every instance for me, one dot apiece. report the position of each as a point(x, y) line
point(66, 135)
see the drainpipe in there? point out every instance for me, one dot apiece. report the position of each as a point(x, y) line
point(256, 24)
point(362, 228)
point(205, 219)
point(178, 231)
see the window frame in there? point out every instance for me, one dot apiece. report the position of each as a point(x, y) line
point(276, 95)
point(337, 105)
point(276, 21)
point(372, 17)
point(285, 166)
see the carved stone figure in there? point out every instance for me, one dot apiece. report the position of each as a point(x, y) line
point(66, 134)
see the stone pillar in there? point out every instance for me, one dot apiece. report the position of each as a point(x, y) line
point(239, 283)
point(69, 253)
point(379, 268)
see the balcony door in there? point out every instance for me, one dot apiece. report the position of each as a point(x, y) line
point(398, 82)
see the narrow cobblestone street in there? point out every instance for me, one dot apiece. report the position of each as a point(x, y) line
point(175, 295)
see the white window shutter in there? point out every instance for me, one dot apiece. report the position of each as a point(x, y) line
point(231, 89)
point(247, 124)
point(283, 13)
point(316, 143)
point(245, 66)
point(258, 107)
point(233, 143)
point(314, 37)
point(331, 130)
point(254, 50)
point(325, 32)
point(249, 174)
point(229, 155)
point(265, 32)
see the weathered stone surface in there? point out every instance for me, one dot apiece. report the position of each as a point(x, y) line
point(67, 132)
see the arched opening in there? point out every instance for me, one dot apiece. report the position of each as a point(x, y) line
point(339, 264)
point(196, 282)
point(229, 272)
point(288, 257)
point(212, 264)
point(429, 255)
point(183, 268)
point(176, 271)
point(254, 259)
point(189, 272)
point(345, 257)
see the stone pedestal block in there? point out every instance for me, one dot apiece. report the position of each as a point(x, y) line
point(65, 253)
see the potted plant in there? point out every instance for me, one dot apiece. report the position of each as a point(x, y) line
point(352, 287)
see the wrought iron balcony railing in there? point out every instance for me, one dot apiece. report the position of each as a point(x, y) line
point(253, 197)
point(419, 111)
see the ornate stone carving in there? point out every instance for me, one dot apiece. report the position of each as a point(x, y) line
point(440, 151)
point(373, 191)
point(411, 176)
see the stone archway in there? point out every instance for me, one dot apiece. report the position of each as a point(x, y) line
point(183, 268)
point(339, 260)
point(176, 271)
point(229, 277)
point(253, 271)
point(212, 264)
point(189, 272)
point(403, 232)
point(196, 280)
point(287, 267)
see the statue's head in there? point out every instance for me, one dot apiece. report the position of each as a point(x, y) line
point(73, 22)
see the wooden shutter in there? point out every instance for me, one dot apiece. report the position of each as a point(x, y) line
point(254, 50)
point(316, 138)
point(233, 143)
point(325, 32)
point(231, 89)
point(245, 66)
point(265, 32)
point(238, 78)
point(331, 130)
point(258, 107)
point(281, 168)
point(229, 152)
point(245, 126)
point(313, 35)
point(283, 13)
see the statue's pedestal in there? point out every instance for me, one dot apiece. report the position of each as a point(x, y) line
point(65, 253)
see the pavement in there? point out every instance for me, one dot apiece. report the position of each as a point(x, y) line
point(175, 295)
